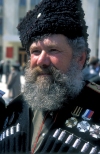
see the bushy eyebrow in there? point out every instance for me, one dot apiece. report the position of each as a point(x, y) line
point(35, 47)
point(51, 46)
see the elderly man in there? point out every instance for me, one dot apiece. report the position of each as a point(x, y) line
point(58, 111)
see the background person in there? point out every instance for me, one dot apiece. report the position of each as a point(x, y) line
point(1, 69)
point(56, 98)
point(91, 72)
point(13, 83)
point(7, 70)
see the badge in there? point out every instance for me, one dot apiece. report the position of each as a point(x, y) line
point(77, 111)
point(83, 126)
point(71, 122)
point(95, 131)
point(88, 114)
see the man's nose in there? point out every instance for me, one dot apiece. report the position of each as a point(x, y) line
point(43, 59)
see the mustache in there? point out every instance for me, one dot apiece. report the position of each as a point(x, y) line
point(32, 73)
point(41, 71)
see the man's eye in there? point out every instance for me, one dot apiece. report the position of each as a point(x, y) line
point(35, 52)
point(53, 51)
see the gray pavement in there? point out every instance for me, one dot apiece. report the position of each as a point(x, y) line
point(3, 87)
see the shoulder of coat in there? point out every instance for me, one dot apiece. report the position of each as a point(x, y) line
point(94, 86)
point(17, 101)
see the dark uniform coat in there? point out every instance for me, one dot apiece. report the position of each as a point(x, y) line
point(74, 128)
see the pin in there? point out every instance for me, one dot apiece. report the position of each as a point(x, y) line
point(93, 150)
point(38, 16)
point(95, 131)
point(18, 127)
point(85, 147)
point(76, 143)
point(69, 139)
point(83, 126)
point(77, 111)
point(12, 130)
point(62, 135)
point(7, 132)
point(3, 135)
point(71, 122)
point(88, 114)
point(57, 132)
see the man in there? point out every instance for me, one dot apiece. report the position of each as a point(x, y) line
point(58, 111)
point(91, 72)
point(1, 69)
point(7, 69)
point(14, 83)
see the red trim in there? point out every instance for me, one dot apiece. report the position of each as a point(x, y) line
point(37, 138)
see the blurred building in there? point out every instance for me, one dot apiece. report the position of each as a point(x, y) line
point(92, 16)
point(12, 11)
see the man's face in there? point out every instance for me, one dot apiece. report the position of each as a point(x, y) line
point(51, 51)
point(52, 75)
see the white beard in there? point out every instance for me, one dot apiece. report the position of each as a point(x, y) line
point(44, 93)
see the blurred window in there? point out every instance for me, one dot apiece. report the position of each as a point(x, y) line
point(1, 26)
point(34, 2)
point(22, 2)
point(98, 30)
point(1, 2)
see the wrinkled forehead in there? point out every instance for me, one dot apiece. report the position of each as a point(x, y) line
point(54, 40)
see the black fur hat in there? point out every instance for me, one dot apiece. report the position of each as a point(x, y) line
point(53, 17)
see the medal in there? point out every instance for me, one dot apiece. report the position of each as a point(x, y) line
point(95, 131)
point(83, 126)
point(71, 122)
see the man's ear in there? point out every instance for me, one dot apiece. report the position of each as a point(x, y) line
point(81, 59)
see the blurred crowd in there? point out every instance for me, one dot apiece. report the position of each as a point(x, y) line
point(12, 76)
point(92, 71)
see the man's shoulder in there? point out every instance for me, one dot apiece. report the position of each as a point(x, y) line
point(15, 106)
point(13, 111)
point(89, 97)
point(18, 98)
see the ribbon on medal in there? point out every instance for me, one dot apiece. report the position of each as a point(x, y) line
point(88, 114)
